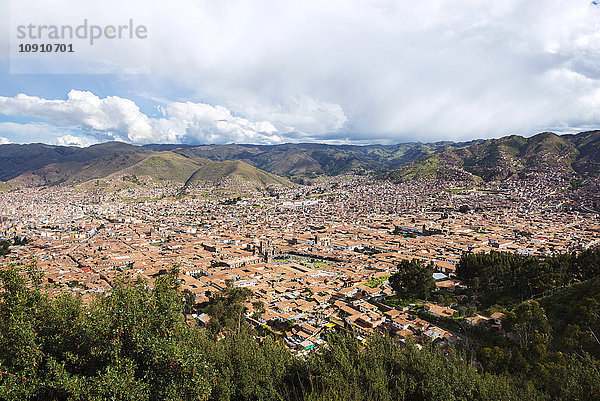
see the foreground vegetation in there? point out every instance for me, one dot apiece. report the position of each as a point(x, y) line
point(567, 290)
point(134, 344)
point(508, 278)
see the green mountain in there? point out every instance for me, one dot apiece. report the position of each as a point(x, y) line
point(511, 156)
point(572, 156)
point(127, 165)
point(75, 172)
point(234, 170)
point(588, 145)
point(163, 166)
point(308, 159)
point(18, 159)
point(39, 164)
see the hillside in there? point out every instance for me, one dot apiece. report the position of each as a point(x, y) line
point(308, 159)
point(569, 156)
point(18, 159)
point(512, 156)
point(588, 145)
point(573, 314)
point(39, 164)
point(441, 166)
point(75, 172)
point(135, 165)
point(234, 170)
point(135, 344)
point(163, 166)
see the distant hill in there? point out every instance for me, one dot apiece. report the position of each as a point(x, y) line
point(510, 156)
point(163, 166)
point(72, 172)
point(234, 170)
point(40, 164)
point(18, 159)
point(130, 165)
point(576, 156)
point(306, 159)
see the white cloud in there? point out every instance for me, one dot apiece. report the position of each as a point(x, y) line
point(203, 123)
point(71, 140)
point(4, 141)
point(30, 132)
point(302, 113)
point(85, 111)
point(399, 70)
point(364, 70)
point(116, 118)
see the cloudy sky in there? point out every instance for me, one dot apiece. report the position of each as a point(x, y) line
point(272, 71)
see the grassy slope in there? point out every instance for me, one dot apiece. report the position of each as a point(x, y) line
point(574, 305)
point(165, 166)
point(495, 159)
point(76, 172)
point(216, 171)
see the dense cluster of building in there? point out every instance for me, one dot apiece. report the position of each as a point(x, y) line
point(316, 257)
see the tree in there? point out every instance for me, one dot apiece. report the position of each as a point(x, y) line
point(134, 344)
point(189, 300)
point(413, 280)
point(259, 309)
point(131, 344)
point(529, 322)
point(227, 310)
point(513, 278)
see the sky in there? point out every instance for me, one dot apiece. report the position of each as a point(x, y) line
point(330, 71)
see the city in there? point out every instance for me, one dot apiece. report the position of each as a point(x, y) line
point(378, 200)
point(316, 258)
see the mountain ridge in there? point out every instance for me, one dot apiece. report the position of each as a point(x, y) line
point(574, 156)
point(480, 160)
